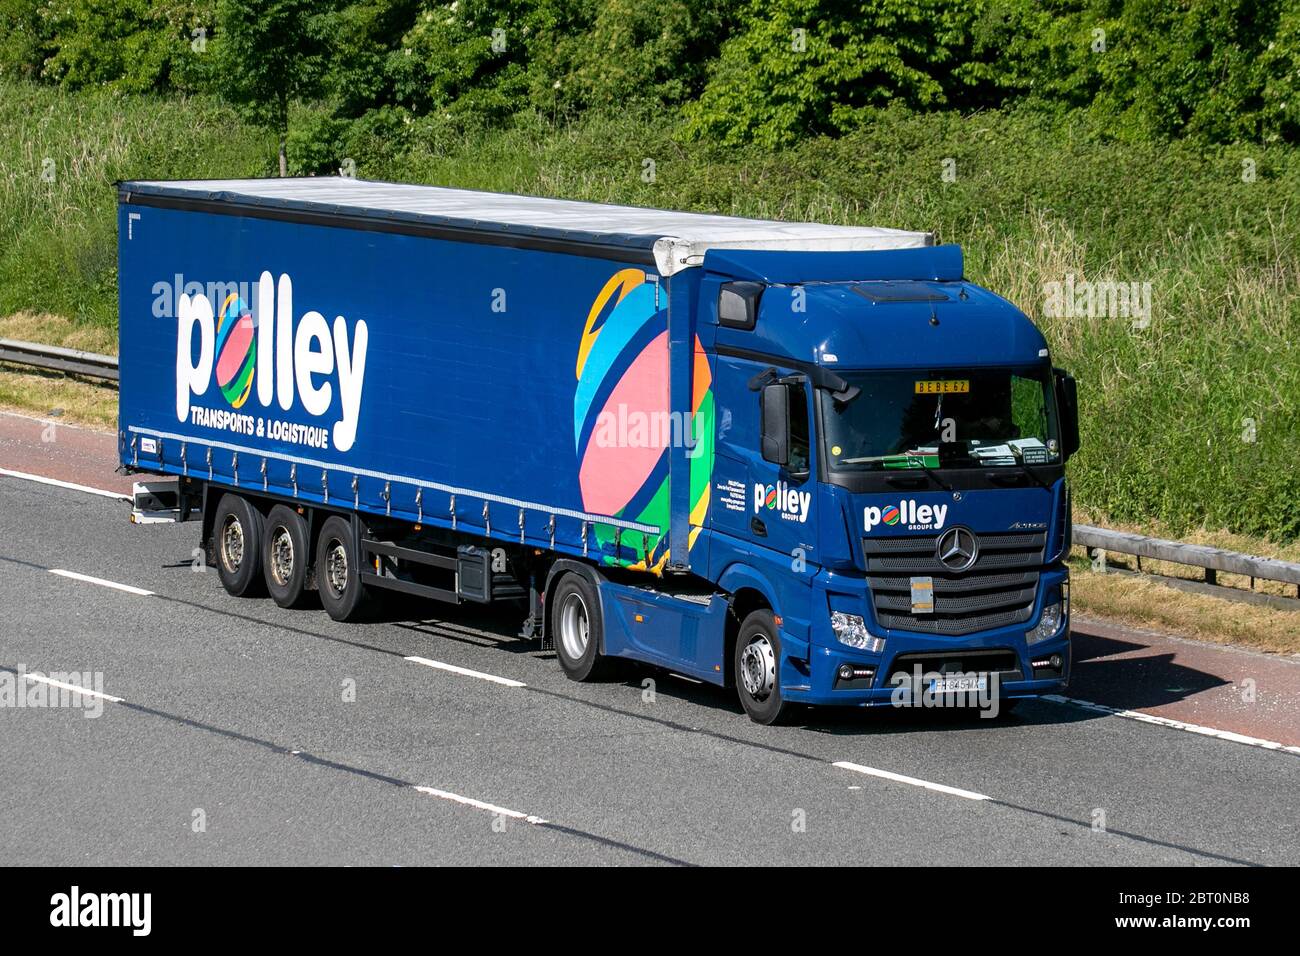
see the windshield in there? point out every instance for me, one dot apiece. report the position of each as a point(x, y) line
point(943, 418)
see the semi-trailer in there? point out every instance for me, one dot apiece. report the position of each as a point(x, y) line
point(814, 463)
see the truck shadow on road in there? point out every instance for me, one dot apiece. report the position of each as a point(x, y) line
point(1105, 672)
point(494, 627)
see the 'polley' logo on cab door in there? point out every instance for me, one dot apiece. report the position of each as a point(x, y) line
point(791, 502)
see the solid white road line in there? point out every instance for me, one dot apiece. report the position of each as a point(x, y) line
point(466, 672)
point(1174, 724)
point(72, 486)
point(899, 778)
point(480, 805)
point(40, 679)
point(101, 582)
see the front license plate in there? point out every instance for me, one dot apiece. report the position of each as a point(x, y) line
point(958, 685)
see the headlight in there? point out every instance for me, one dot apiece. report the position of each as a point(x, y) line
point(1048, 624)
point(851, 629)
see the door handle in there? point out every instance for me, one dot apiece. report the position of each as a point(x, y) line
point(757, 526)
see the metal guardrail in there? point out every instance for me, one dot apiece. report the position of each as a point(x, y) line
point(1213, 560)
point(74, 361)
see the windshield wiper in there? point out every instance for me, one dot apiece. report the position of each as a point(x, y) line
point(1018, 456)
point(920, 461)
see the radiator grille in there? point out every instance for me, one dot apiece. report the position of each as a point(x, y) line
point(997, 590)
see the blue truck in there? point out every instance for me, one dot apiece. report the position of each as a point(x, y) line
point(810, 462)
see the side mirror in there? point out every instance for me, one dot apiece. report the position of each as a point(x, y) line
point(776, 424)
point(1067, 403)
point(738, 304)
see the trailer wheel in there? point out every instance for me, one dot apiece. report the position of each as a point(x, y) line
point(284, 556)
point(576, 625)
point(757, 668)
point(237, 540)
point(338, 571)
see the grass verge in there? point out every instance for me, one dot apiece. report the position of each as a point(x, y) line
point(77, 400)
point(1150, 604)
point(52, 394)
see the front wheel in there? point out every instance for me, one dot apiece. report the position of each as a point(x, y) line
point(576, 625)
point(757, 668)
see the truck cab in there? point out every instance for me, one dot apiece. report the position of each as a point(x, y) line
point(890, 472)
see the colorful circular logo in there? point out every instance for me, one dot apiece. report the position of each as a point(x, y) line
point(622, 377)
point(891, 515)
point(236, 350)
point(770, 499)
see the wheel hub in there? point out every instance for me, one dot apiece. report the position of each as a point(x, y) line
point(574, 626)
point(282, 555)
point(232, 544)
point(336, 567)
point(758, 668)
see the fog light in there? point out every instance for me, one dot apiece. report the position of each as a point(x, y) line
point(1047, 625)
point(851, 629)
point(1057, 663)
point(854, 676)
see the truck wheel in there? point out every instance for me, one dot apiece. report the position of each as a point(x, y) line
point(284, 556)
point(757, 668)
point(338, 571)
point(237, 540)
point(576, 628)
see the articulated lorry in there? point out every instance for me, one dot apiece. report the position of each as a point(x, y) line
point(813, 463)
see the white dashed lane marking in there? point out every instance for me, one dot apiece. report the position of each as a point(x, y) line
point(102, 582)
point(70, 485)
point(912, 781)
point(480, 805)
point(466, 672)
point(42, 679)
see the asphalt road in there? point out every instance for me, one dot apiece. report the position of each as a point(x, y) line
point(237, 715)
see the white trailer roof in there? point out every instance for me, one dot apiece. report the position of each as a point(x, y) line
point(678, 240)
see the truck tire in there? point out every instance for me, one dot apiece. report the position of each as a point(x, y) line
point(237, 540)
point(338, 571)
point(285, 549)
point(757, 667)
point(577, 628)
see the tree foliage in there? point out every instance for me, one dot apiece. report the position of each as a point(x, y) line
point(268, 53)
point(764, 71)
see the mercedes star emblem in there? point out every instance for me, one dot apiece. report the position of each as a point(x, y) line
point(957, 549)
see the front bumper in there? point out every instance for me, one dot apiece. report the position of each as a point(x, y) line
point(1002, 651)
